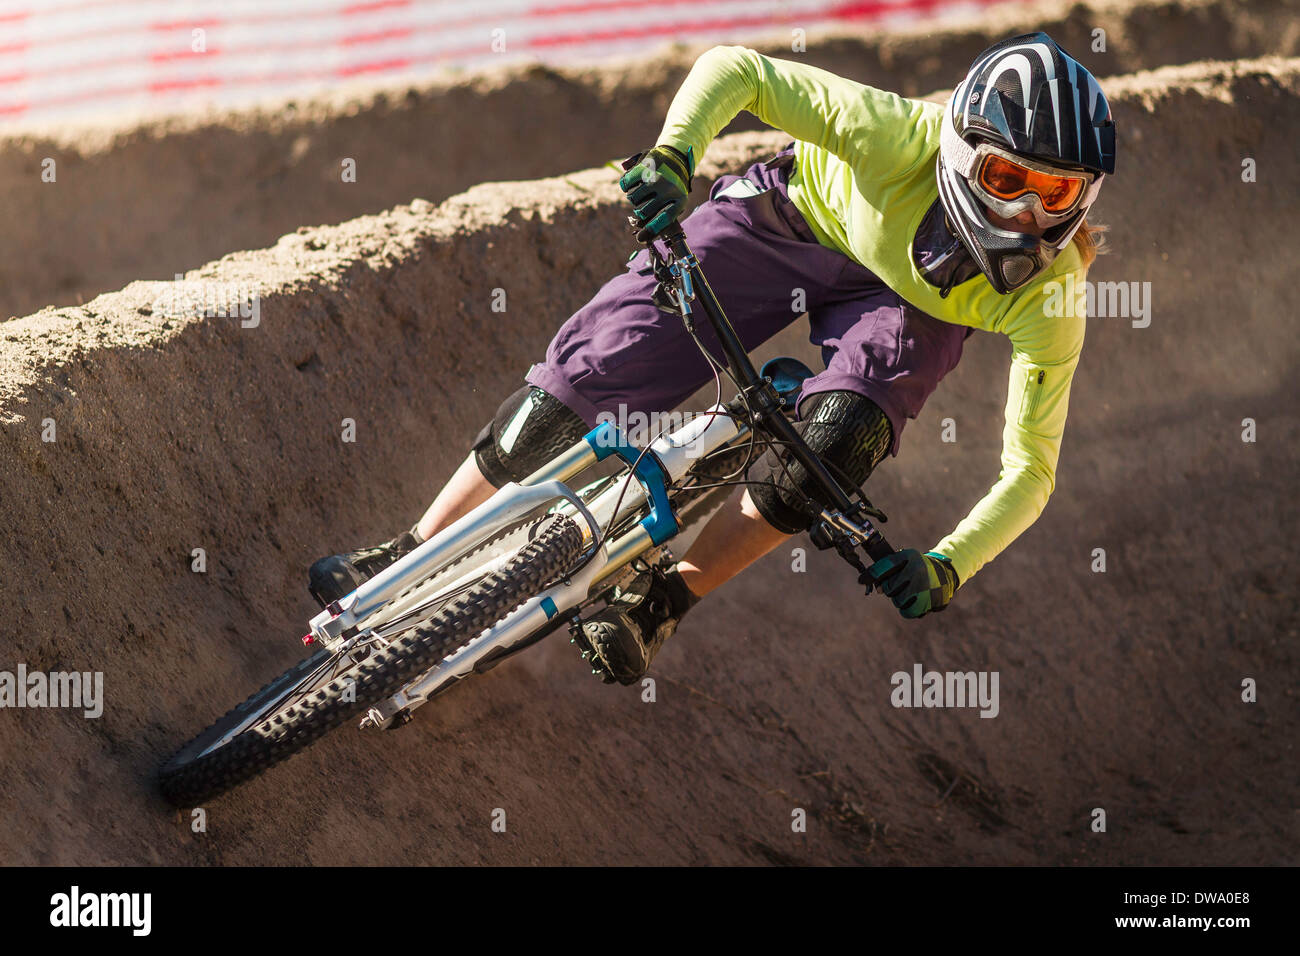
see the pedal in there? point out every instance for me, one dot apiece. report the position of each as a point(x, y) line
point(588, 653)
point(576, 636)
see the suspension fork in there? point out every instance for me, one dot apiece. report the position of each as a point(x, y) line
point(653, 478)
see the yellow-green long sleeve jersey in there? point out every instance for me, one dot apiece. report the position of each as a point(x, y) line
point(864, 177)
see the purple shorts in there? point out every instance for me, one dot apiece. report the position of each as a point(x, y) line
point(756, 250)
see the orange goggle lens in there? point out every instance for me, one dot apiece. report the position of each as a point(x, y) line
point(1007, 181)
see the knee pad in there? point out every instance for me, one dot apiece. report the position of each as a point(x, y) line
point(847, 431)
point(530, 428)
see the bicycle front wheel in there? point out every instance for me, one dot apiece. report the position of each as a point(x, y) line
point(327, 688)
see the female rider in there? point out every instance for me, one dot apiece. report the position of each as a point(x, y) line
point(907, 225)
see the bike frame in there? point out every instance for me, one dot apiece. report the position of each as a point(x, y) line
point(381, 603)
point(361, 616)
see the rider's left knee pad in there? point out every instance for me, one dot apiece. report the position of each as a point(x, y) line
point(530, 428)
point(848, 431)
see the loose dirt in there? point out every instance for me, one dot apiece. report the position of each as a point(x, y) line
point(1119, 690)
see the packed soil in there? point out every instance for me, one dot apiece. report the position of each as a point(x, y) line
point(150, 196)
point(1119, 690)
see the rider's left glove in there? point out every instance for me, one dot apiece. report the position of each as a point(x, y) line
point(657, 184)
point(917, 583)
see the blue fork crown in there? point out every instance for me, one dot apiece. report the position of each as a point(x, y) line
point(607, 439)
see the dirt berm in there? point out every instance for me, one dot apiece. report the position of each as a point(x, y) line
point(152, 197)
point(1118, 690)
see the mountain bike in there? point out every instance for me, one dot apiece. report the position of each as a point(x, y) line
point(537, 555)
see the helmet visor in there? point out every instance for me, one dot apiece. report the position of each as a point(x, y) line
point(1008, 180)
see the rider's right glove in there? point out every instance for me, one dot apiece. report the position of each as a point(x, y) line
point(657, 184)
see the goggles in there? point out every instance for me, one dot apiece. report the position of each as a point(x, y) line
point(1010, 184)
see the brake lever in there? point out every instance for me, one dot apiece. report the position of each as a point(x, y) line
point(842, 534)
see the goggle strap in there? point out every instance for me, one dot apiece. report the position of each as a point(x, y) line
point(958, 154)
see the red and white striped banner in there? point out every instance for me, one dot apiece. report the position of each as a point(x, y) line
point(75, 58)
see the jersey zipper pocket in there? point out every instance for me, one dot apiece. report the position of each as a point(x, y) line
point(1033, 392)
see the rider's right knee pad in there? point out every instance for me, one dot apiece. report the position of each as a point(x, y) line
point(530, 428)
point(846, 430)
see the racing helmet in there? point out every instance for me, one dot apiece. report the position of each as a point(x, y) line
point(1027, 129)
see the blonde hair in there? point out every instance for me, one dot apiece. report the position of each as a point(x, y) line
point(1090, 241)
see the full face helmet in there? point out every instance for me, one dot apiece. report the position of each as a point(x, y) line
point(1029, 129)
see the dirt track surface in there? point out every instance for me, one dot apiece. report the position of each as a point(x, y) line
point(1118, 690)
point(150, 198)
